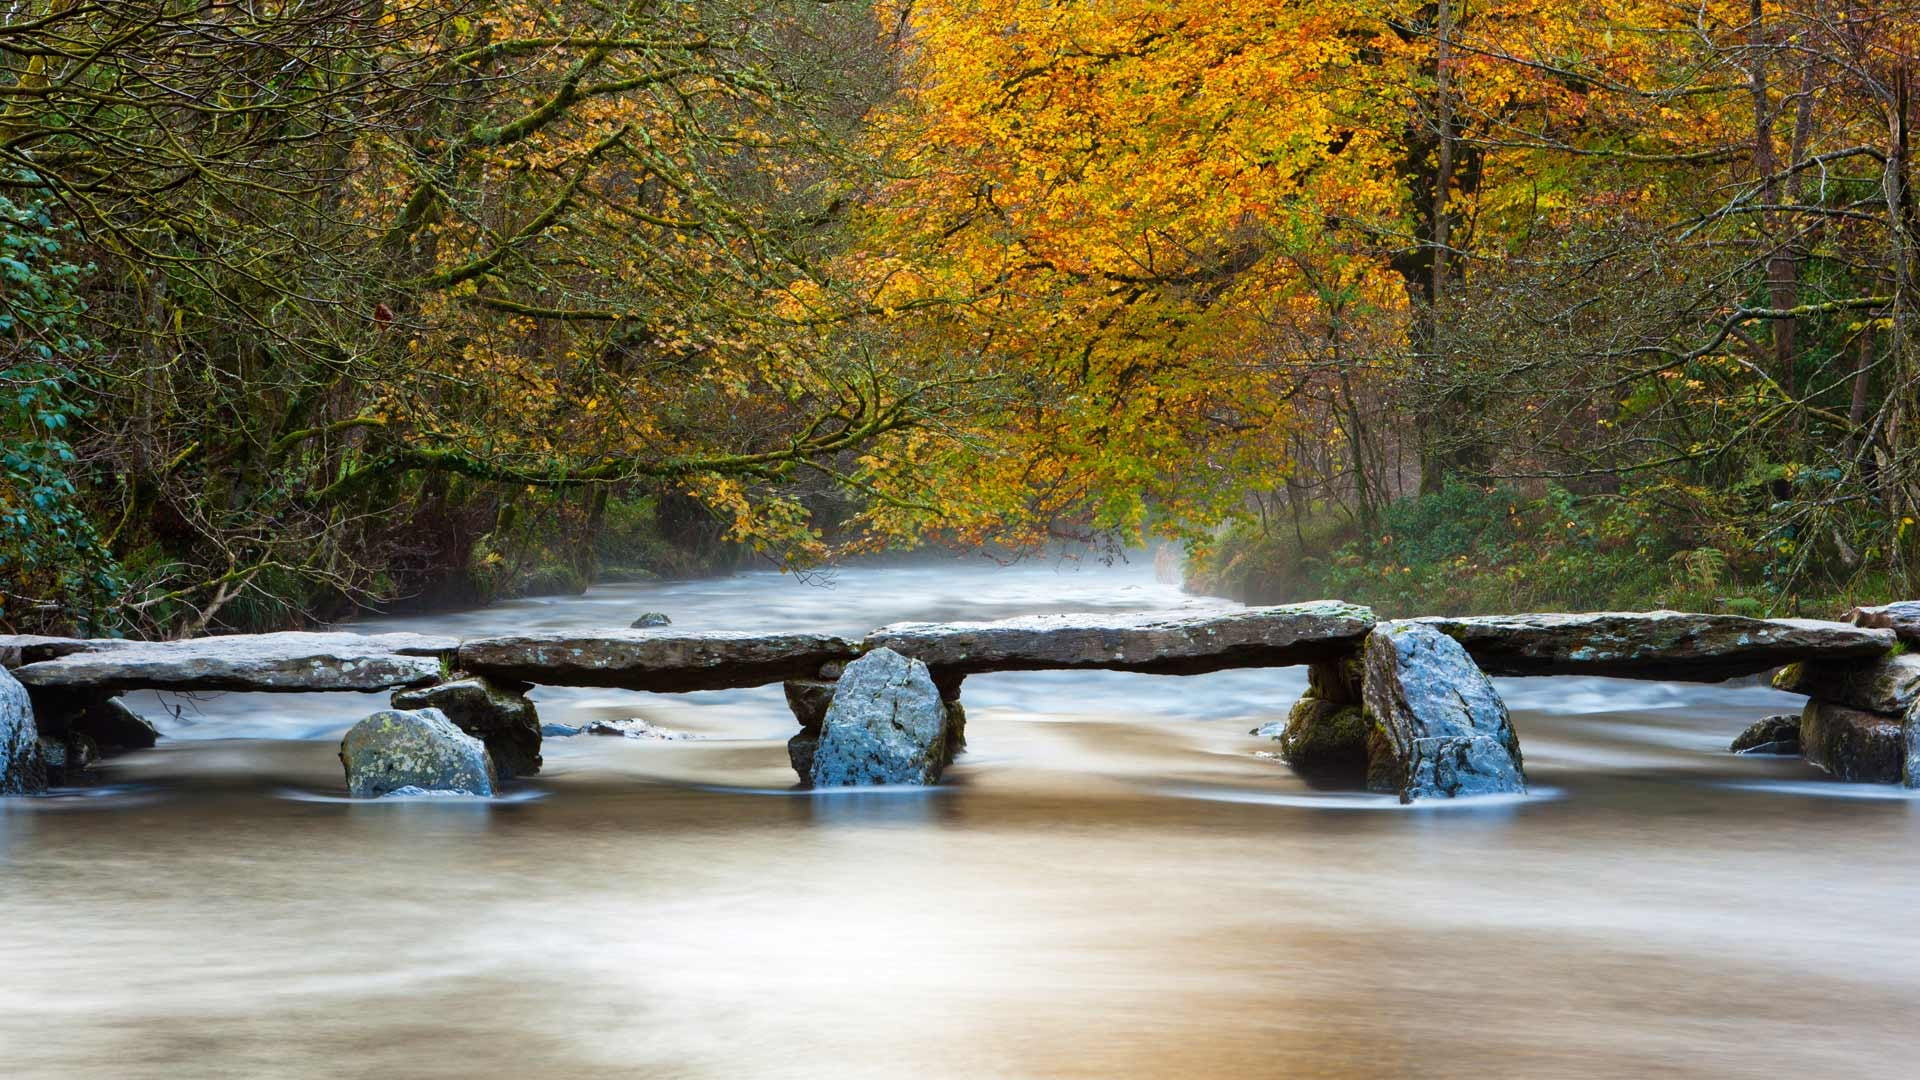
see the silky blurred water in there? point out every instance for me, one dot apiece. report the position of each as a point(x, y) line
point(1113, 883)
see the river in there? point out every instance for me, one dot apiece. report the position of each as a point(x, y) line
point(1113, 882)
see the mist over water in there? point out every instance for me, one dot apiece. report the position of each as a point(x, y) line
point(1113, 883)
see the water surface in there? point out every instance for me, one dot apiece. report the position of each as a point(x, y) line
point(1114, 883)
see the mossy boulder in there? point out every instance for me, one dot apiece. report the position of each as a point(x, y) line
point(422, 749)
point(1323, 737)
point(1326, 730)
point(498, 715)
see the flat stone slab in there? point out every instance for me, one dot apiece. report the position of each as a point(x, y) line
point(19, 649)
point(283, 662)
point(662, 660)
point(1167, 643)
point(1902, 617)
point(1654, 644)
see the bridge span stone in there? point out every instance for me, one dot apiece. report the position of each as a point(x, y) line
point(1902, 617)
point(1665, 645)
point(1166, 643)
point(663, 660)
point(282, 662)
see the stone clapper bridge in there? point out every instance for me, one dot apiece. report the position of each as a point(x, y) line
point(1404, 706)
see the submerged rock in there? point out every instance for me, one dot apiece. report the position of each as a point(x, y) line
point(650, 620)
point(23, 768)
point(887, 725)
point(1437, 727)
point(393, 750)
point(633, 728)
point(1890, 685)
point(1854, 744)
point(501, 717)
point(1772, 735)
point(1654, 644)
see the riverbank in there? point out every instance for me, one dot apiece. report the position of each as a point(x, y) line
point(1473, 551)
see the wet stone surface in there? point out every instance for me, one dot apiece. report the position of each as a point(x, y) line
point(887, 725)
point(23, 769)
point(1438, 729)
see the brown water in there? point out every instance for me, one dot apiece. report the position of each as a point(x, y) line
point(1112, 885)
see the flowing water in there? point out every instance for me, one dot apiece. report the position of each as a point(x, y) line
point(1115, 882)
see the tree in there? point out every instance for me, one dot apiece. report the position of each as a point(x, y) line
point(362, 261)
point(53, 569)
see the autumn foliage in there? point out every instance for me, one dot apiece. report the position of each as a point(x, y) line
point(385, 295)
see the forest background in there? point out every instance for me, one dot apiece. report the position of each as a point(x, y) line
point(308, 306)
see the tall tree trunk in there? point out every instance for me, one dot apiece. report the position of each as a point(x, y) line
point(1437, 165)
point(1895, 456)
point(1782, 267)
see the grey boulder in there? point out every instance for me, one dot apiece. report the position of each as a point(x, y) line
point(393, 750)
point(499, 716)
point(650, 620)
point(23, 768)
point(1437, 727)
point(887, 725)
